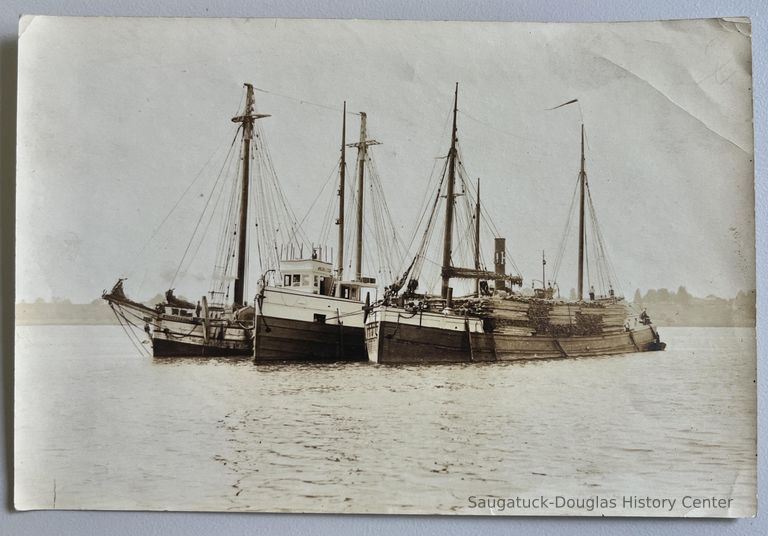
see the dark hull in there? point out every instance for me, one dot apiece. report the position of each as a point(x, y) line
point(188, 336)
point(166, 348)
point(280, 339)
point(398, 343)
point(175, 336)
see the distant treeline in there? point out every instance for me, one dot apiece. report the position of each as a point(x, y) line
point(63, 311)
point(666, 308)
point(670, 308)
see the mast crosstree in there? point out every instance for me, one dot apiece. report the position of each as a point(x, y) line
point(449, 271)
point(362, 151)
point(246, 120)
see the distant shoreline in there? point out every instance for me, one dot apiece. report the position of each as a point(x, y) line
point(667, 309)
point(33, 322)
point(114, 323)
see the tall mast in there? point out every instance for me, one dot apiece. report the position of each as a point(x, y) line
point(477, 239)
point(448, 237)
point(342, 186)
point(362, 151)
point(582, 185)
point(247, 120)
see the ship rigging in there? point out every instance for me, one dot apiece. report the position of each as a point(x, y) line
point(246, 202)
point(301, 321)
point(502, 324)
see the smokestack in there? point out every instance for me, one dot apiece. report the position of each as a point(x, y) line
point(500, 260)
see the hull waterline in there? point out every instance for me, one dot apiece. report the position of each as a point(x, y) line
point(397, 339)
point(165, 348)
point(177, 337)
point(298, 326)
point(284, 339)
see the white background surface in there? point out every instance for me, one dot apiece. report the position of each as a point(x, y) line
point(175, 523)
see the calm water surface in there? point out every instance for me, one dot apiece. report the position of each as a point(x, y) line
point(97, 426)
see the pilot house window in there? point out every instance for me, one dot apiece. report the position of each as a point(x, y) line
point(287, 280)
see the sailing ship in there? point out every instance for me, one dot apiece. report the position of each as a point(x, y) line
point(499, 324)
point(316, 314)
point(220, 324)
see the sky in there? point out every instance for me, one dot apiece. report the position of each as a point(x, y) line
point(116, 117)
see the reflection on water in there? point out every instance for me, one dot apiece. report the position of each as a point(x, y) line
point(119, 431)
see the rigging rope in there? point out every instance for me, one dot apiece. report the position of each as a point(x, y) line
point(485, 217)
point(200, 218)
point(303, 101)
point(270, 218)
point(137, 256)
point(129, 333)
point(559, 255)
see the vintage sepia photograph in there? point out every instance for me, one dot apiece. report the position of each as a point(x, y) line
point(385, 267)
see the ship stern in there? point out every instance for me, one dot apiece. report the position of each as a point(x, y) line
point(372, 342)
